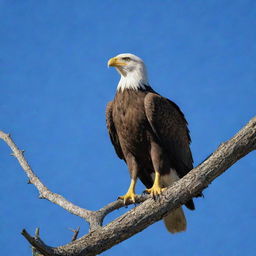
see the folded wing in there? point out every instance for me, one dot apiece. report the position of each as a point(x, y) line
point(170, 126)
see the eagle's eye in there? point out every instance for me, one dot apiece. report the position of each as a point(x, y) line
point(126, 58)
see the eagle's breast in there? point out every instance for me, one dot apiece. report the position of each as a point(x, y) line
point(130, 120)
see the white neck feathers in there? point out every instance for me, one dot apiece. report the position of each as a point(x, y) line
point(133, 79)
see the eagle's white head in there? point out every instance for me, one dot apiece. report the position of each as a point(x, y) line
point(132, 70)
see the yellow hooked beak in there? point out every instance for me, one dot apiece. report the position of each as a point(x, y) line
point(115, 62)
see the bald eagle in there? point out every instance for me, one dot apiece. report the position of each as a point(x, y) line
point(149, 132)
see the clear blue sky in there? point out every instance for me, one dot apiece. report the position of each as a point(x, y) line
point(55, 85)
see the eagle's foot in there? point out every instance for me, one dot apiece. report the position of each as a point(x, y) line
point(129, 197)
point(155, 191)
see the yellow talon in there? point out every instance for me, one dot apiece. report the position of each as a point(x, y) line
point(130, 196)
point(156, 189)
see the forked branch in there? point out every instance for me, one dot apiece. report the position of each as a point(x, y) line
point(150, 211)
point(94, 218)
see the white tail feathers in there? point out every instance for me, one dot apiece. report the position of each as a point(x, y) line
point(175, 221)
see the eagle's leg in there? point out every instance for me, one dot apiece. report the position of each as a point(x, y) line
point(157, 157)
point(156, 189)
point(130, 196)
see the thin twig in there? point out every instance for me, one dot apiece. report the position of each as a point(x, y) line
point(76, 232)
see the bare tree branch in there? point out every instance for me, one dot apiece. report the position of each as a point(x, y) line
point(40, 245)
point(44, 192)
point(150, 211)
point(94, 218)
point(34, 250)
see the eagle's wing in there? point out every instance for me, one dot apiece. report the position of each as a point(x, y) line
point(112, 131)
point(170, 127)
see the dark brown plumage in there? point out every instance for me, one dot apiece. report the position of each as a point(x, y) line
point(143, 126)
point(149, 132)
